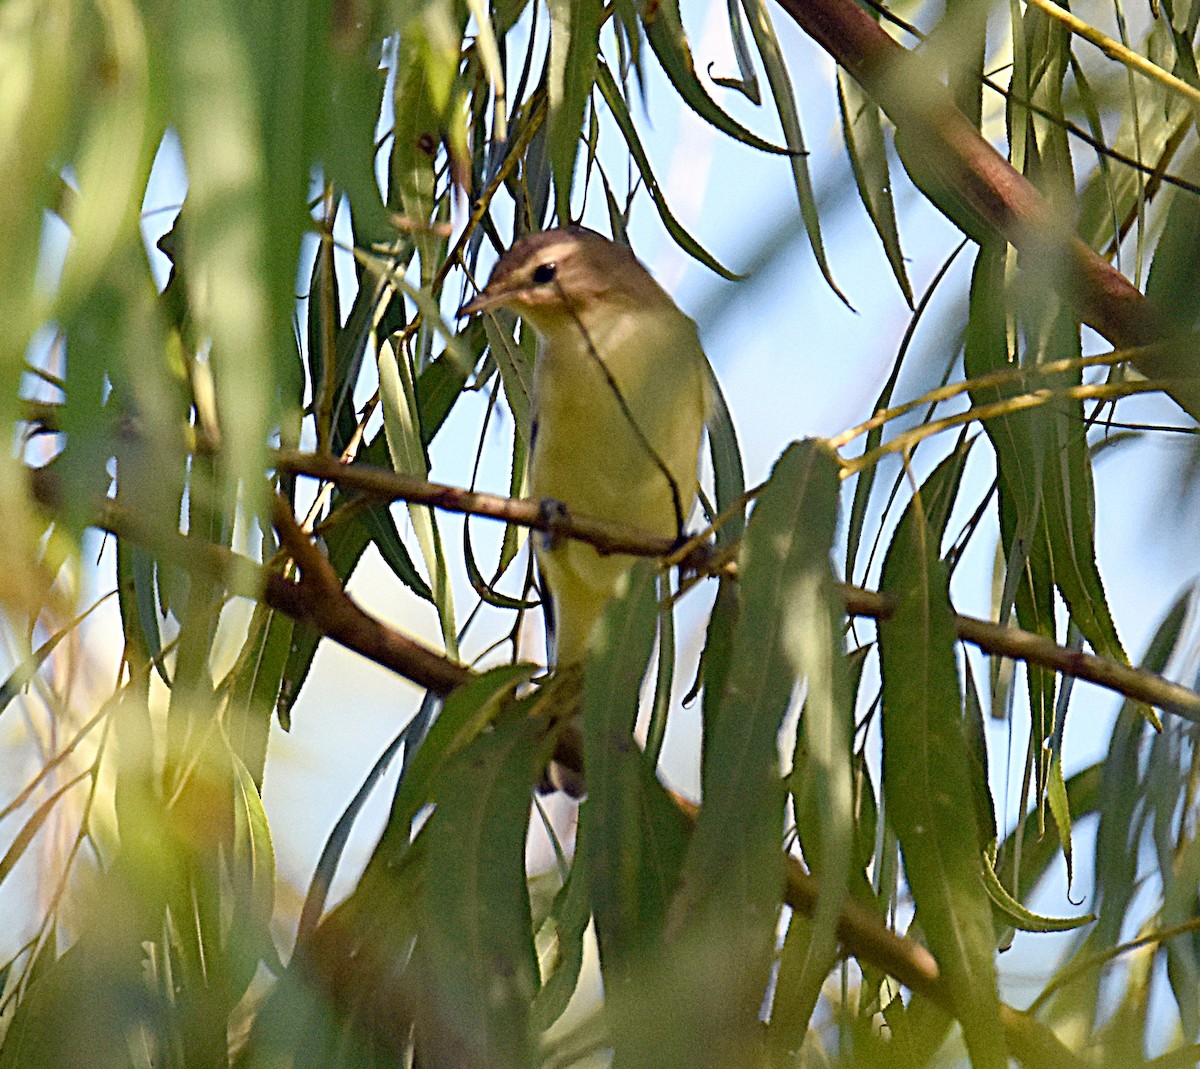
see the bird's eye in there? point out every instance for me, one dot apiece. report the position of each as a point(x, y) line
point(544, 274)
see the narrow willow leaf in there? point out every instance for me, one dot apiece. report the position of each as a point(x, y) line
point(397, 396)
point(426, 68)
point(927, 774)
point(487, 592)
point(789, 117)
point(976, 736)
point(1179, 907)
point(865, 481)
point(620, 112)
point(660, 707)
point(729, 474)
point(1019, 916)
point(515, 360)
point(1019, 440)
point(1110, 199)
point(23, 674)
point(240, 292)
point(476, 930)
point(254, 685)
point(111, 162)
point(1060, 810)
point(729, 893)
point(633, 833)
point(335, 845)
point(1070, 507)
point(347, 147)
point(570, 916)
point(862, 132)
point(1175, 260)
point(747, 81)
point(570, 75)
point(26, 833)
point(251, 868)
point(464, 714)
point(441, 384)
point(664, 31)
point(628, 900)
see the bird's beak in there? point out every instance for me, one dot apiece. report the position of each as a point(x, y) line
point(480, 303)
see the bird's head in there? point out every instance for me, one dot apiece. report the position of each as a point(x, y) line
point(556, 276)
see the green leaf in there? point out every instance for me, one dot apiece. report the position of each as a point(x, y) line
point(664, 31)
point(255, 683)
point(464, 715)
point(240, 272)
point(570, 74)
point(476, 930)
point(730, 890)
point(1018, 915)
point(1070, 506)
point(926, 776)
point(620, 112)
point(252, 884)
point(729, 476)
point(401, 422)
point(569, 918)
point(633, 834)
point(747, 82)
point(789, 116)
point(1119, 835)
point(862, 132)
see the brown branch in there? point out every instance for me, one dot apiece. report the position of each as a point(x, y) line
point(386, 485)
point(318, 598)
point(924, 114)
point(1135, 683)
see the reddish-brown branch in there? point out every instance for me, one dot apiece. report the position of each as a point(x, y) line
point(924, 114)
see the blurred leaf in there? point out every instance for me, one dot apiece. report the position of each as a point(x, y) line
point(634, 835)
point(1113, 196)
point(401, 418)
point(570, 74)
point(569, 918)
point(1180, 907)
point(1172, 271)
point(630, 877)
point(476, 930)
point(255, 684)
point(252, 878)
point(732, 871)
point(240, 257)
point(926, 774)
point(24, 673)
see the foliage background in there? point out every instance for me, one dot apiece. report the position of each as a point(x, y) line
point(140, 867)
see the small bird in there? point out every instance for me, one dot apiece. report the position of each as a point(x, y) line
point(620, 397)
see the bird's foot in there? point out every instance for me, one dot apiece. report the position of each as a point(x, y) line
point(555, 517)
